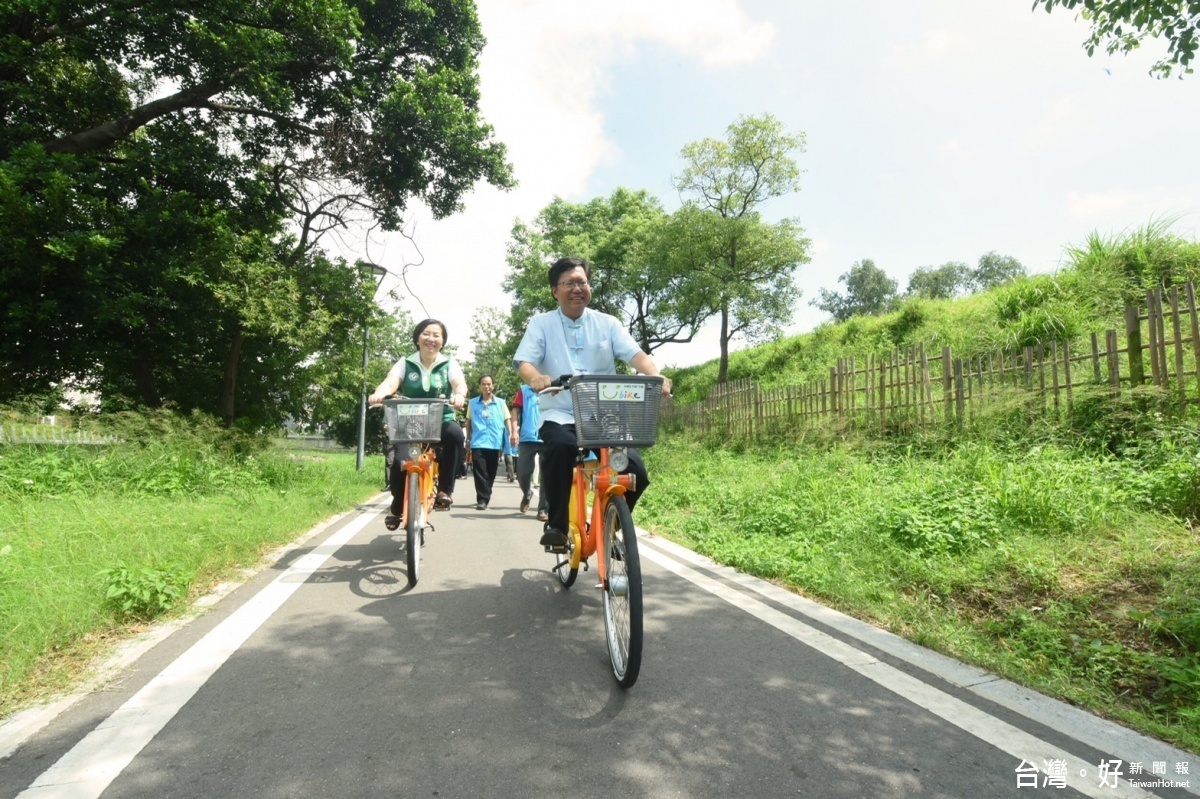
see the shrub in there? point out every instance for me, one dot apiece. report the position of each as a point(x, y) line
point(143, 592)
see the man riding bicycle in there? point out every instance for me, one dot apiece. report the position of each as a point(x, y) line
point(573, 339)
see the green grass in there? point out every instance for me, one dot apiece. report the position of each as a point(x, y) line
point(1087, 295)
point(95, 541)
point(1049, 564)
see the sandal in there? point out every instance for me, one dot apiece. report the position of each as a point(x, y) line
point(443, 501)
point(391, 522)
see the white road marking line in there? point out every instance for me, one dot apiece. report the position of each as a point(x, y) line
point(993, 731)
point(1087, 728)
point(91, 766)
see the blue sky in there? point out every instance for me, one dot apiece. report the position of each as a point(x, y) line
point(937, 130)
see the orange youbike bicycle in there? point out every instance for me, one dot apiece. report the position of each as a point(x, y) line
point(612, 413)
point(414, 427)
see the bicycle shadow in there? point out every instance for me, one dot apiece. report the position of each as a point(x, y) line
point(376, 569)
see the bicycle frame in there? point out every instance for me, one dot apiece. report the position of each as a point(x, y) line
point(425, 466)
point(605, 483)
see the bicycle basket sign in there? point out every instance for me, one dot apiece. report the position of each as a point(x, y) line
point(412, 410)
point(623, 392)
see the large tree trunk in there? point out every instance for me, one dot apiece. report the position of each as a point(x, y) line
point(230, 382)
point(723, 372)
point(143, 377)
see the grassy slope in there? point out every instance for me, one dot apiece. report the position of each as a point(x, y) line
point(1062, 556)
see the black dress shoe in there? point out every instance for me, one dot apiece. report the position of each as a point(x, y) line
point(480, 506)
point(554, 538)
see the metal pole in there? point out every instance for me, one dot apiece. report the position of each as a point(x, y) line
point(377, 274)
point(362, 408)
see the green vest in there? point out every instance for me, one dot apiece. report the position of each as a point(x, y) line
point(413, 384)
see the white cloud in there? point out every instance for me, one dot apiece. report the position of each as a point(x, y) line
point(954, 148)
point(1082, 205)
point(934, 48)
point(543, 68)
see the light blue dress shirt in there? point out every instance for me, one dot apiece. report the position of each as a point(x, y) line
point(590, 345)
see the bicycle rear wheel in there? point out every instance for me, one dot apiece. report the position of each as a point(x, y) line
point(415, 526)
point(622, 592)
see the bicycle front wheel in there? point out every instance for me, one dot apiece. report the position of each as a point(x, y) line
point(415, 526)
point(622, 592)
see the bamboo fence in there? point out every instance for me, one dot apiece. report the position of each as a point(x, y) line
point(912, 388)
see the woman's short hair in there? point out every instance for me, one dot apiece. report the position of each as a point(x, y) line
point(566, 265)
point(420, 328)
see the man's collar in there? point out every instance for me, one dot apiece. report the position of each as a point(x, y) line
point(569, 320)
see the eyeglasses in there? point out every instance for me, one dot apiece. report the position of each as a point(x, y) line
point(573, 284)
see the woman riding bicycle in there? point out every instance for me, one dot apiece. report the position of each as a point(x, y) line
point(427, 374)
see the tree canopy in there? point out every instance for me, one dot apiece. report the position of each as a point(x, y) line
point(634, 276)
point(995, 269)
point(869, 292)
point(167, 172)
point(941, 282)
point(742, 265)
point(1122, 25)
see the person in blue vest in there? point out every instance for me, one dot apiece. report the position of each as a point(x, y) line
point(510, 453)
point(488, 424)
point(527, 417)
point(427, 374)
point(573, 340)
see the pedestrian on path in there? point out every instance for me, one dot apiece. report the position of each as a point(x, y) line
point(527, 418)
point(488, 424)
point(510, 452)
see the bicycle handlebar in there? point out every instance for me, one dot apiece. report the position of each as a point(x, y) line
point(557, 385)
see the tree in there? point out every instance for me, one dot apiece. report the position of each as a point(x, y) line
point(494, 344)
point(1122, 25)
point(335, 379)
point(156, 243)
point(940, 283)
point(869, 292)
point(633, 274)
point(995, 270)
point(742, 266)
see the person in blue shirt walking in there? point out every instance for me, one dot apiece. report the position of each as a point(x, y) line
point(488, 424)
point(573, 339)
point(510, 451)
point(527, 417)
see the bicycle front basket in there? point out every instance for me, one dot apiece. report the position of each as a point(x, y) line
point(412, 421)
point(616, 410)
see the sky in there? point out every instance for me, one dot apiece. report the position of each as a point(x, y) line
point(936, 130)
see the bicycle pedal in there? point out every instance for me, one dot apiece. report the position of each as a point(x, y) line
point(556, 550)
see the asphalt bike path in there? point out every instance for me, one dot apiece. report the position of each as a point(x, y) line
point(326, 675)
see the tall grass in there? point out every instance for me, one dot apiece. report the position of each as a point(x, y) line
point(85, 531)
point(1056, 550)
point(1088, 294)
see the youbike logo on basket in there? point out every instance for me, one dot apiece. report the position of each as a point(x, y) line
point(623, 392)
point(412, 410)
